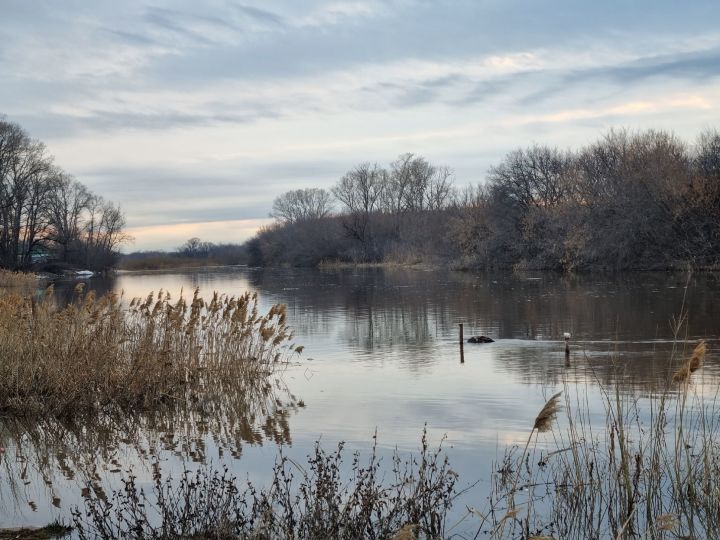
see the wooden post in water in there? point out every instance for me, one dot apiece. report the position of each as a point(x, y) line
point(462, 345)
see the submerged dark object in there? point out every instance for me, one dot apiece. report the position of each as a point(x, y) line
point(480, 339)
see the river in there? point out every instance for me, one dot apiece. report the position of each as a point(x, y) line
point(382, 356)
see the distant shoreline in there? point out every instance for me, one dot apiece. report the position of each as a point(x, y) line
point(679, 267)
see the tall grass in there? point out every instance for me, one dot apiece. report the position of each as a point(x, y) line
point(95, 354)
point(9, 279)
point(651, 471)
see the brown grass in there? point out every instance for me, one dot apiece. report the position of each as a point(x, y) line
point(10, 279)
point(652, 471)
point(544, 419)
point(96, 354)
point(692, 364)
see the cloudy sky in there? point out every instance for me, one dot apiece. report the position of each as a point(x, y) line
point(195, 115)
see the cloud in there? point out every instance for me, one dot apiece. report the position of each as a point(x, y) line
point(626, 109)
point(527, 78)
point(333, 13)
point(695, 67)
point(99, 120)
point(260, 15)
point(196, 28)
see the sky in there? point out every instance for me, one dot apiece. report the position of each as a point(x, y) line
point(194, 116)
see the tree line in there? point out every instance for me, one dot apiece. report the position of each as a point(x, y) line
point(630, 200)
point(195, 252)
point(45, 214)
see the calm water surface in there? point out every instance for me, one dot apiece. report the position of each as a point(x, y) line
point(382, 355)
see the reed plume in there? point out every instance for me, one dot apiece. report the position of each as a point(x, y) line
point(407, 532)
point(692, 364)
point(95, 353)
point(543, 423)
point(544, 420)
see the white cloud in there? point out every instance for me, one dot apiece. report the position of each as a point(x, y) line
point(627, 109)
point(332, 13)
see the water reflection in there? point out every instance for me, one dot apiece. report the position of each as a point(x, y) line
point(381, 353)
point(621, 326)
point(50, 460)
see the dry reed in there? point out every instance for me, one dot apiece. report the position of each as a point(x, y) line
point(10, 279)
point(546, 416)
point(652, 471)
point(692, 364)
point(95, 354)
point(543, 423)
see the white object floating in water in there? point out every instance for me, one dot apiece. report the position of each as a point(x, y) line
point(567, 335)
point(85, 273)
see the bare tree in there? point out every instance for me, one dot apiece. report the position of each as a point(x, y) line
point(398, 184)
point(361, 191)
point(196, 248)
point(39, 203)
point(421, 173)
point(37, 223)
point(103, 233)
point(439, 192)
point(23, 162)
point(707, 154)
point(533, 177)
point(68, 201)
point(301, 204)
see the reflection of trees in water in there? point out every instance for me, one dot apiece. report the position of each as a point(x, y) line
point(369, 308)
point(399, 308)
point(386, 309)
point(389, 307)
point(90, 449)
point(511, 305)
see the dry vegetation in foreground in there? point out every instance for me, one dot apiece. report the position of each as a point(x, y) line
point(95, 354)
point(313, 502)
point(10, 279)
point(651, 474)
point(651, 471)
point(644, 474)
